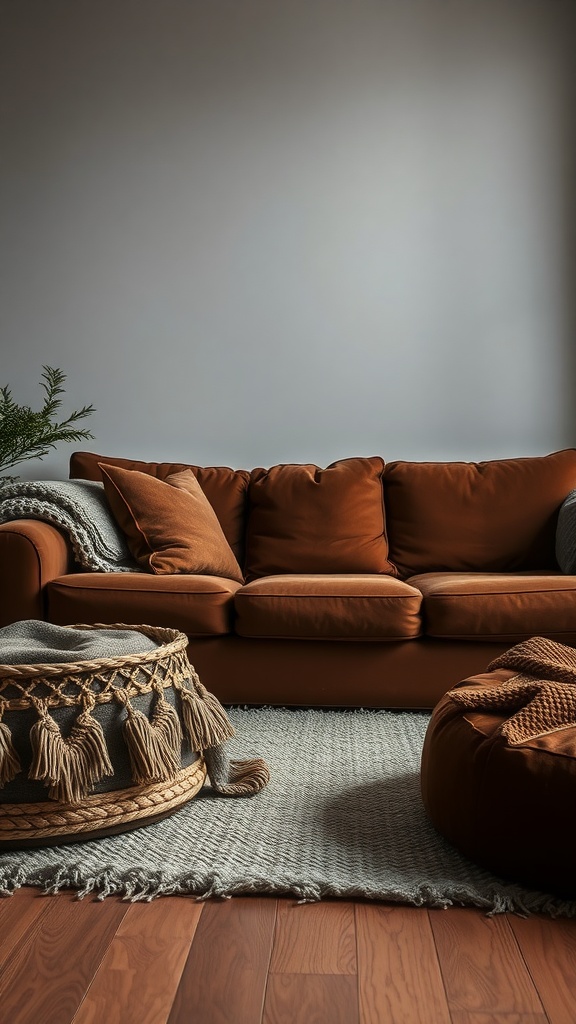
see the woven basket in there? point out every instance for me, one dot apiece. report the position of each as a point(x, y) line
point(97, 747)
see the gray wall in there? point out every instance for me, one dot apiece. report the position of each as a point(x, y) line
point(256, 231)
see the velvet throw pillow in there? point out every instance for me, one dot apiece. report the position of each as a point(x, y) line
point(226, 489)
point(303, 519)
point(170, 526)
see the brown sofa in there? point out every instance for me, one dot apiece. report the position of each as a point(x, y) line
point(365, 584)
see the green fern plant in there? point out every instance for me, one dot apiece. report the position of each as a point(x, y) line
point(25, 434)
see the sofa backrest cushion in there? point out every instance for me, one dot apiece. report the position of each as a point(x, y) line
point(497, 516)
point(226, 489)
point(170, 528)
point(303, 519)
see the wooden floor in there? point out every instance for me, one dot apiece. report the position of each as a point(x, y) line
point(253, 960)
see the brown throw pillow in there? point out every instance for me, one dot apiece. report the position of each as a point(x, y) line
point(170, 529)
point(226, 489)
point(303, 519)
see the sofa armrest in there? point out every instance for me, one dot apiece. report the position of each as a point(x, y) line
point(31, 554)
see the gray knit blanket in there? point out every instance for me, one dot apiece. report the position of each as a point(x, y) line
point(79, 508)
point(32, 642)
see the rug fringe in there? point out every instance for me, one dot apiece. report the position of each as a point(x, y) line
point(135, 887)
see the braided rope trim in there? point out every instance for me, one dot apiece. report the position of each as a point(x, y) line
point(99, 679)
point(102, 810)
point(172, 640)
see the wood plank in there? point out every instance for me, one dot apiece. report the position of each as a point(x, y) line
point(481, 964)
point(48, 977)
point(314, 938)
point(398, 971)
point(549, 949)
point(465, 1017)
point(311, 999)
point(224, 979)
point(127, 959)
point(19, 915)
point(138, 977)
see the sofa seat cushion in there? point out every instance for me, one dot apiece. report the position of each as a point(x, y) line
point(340, 607)
point(497, 516)
point(197, 605)
point(303, 519)
point(496, 606)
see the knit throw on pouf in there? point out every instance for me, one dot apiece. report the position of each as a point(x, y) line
point(540, 692)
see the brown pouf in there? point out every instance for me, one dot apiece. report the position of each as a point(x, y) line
point(498, 772)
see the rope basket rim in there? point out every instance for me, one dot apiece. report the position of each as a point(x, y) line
point(44, 819)
point(171, 641)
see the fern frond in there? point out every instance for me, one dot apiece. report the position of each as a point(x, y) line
point(25, 434)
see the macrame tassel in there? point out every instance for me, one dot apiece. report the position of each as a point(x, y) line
point(165, 718)
point(152, 757)
point(88, 737)
point(205, 720)
point(69, 767)
point(235, 778)
point(9, 760)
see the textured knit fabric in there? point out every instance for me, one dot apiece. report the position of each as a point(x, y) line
point(342, 817)
point(79, 508)
point(542, 695)
point(33, 642)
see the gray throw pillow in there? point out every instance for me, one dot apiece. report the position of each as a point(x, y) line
point(566, 535)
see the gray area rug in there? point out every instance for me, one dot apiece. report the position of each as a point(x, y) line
point(341, 817)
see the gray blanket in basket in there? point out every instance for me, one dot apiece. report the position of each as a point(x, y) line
point(34, 642)
point(79, 508)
